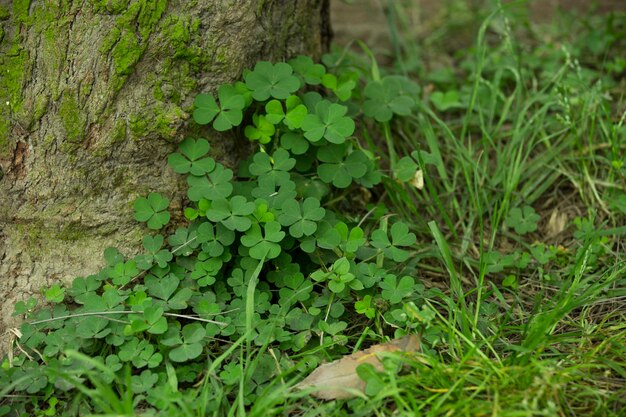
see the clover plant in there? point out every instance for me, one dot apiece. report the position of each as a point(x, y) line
point(274, 252)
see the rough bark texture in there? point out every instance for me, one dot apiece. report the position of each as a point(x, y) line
point(94, 95)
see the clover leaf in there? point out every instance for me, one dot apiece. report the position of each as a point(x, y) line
point(153, 245)
point(262, 129)
point(340, 170)
point(183, 241)
point(275, 113)
point(296, 113)
point(231, 104)
point(271, 80)
point(212, 187)
point(55, 294)
point(189, 346)
point(274, 169)
point(445, 101)
point(193, 213)
point(542, 253)
point(294, 142)
point(385, 99)
point(523, 220)
point(226, 115)
point(351, 239)
point(405, 169)
point(310, 72)
point(123, 272)
point(274, 195)
point(296, 289)
point(293, 117)
point(393, 290)
point(332, 328)
point(92, 328)
point(400, 236)
point(112, 256)
point(372, 176)
point(328, 122)
point(343, 85)
point(326, 237)
point(205, 109)
point(81, 287)
point(263, 242)
point(151, 320)
point(214, 240)
point(261, 212)
point(204, 272)
point(164, 289)
point(302, 217)
point(144, 381)
point(232, 213)
point(369, 274)
point(152, 210)
point(338, 276)
point(231, 373)
point(192, 161)
point(365, 307)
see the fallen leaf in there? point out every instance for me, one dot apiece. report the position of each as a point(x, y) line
point(556, 223)
point(418, 179)
point(338, 379)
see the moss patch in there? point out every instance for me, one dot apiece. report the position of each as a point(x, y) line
point(126, 53)
point(109, 6)
point(4, 13)
point(128, 41)
point(20, 10)
point(72, 117)
point(180, 59)
point(13, 60)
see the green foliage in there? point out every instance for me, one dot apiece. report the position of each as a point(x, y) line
point(152, 210)
point(225, 116)
point(394, 291)
point(445, 101)
point(400, 237)
point(328, 122)
point(308, 249)
point(190, 160)
point(389, 96)
point(339, 167)
point(266, 255)
point(271, 80)
point(523, 220)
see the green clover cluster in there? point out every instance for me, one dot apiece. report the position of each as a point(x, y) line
point(278, 251)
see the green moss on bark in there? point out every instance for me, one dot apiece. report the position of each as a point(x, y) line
point(13, 60)
point(72, 117)
point(126, 53)
point(20, 10)
point(180, 59)
point(109, 6)
point(127, 42)
point(119, 131)
point(4, 13)
point(49, 23)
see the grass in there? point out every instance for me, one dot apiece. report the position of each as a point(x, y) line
point(541, 123)
point(513, 324)
point(541, 127)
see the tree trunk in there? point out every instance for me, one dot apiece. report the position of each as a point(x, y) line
point(94, 95)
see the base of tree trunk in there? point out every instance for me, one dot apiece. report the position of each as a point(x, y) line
point(98, 94)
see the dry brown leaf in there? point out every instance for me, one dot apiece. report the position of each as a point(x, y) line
point(418, 179)
point(333, 379)
point(556, 223)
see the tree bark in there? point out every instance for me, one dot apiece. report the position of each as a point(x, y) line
point(94, 95)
